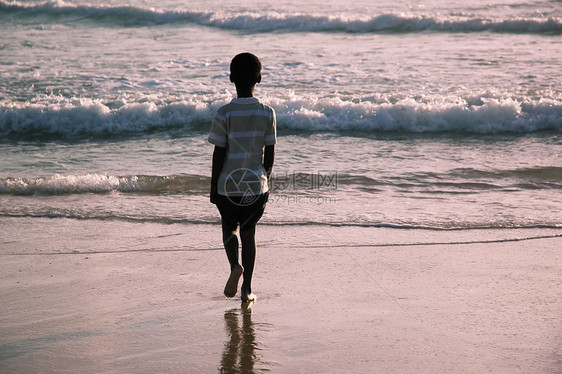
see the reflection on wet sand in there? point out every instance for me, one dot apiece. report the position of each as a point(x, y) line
point(239, 355)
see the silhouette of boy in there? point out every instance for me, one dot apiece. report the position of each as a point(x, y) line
point(244, 134)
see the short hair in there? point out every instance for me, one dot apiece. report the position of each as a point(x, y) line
point(245, 69)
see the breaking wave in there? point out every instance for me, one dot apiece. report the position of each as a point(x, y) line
point(456, 180)
point(129, 16)
point(76, 118)
point(99, 183)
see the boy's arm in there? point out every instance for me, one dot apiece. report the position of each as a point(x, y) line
point(219, 156)
point(268, 158)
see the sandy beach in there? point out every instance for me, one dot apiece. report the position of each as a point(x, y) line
point(118, 297)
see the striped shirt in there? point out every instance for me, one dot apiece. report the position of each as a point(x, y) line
point(243, 127)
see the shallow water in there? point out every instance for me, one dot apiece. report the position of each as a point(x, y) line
point(442, 115)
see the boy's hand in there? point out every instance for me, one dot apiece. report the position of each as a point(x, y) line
point(219, 156)
point(214, 195)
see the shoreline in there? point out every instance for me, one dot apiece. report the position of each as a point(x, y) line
point(124, 297)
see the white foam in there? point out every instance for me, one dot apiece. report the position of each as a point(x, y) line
point(492, 116)
point(74, 117)
point(86, 116)
point(66, 184)
point(291, 22)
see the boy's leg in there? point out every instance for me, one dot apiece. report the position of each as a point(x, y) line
point(248, 238)
point(230, 241)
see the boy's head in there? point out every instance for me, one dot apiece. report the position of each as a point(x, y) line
point(245, 70)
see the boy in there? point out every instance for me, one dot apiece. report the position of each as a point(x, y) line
point(244, 135)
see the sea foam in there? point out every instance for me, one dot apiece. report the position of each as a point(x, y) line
point(260, 22)
point(60, 184)
point(76, 118)
point(93, 117)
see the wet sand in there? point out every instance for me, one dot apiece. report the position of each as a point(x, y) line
point(118, 297)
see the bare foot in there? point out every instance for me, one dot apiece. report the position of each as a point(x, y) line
point(247, 296)
point(232, 283)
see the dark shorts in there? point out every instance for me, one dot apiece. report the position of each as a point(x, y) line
point(236, 210)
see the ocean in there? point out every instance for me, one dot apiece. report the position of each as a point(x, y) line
point(441, 115)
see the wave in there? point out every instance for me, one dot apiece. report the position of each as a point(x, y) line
point(69, 118)
point(484, 116)
point(465, 179)
point(542, 175)
point(98, 183)
point(108, 216)
point(129, 16)
point(74, 117)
